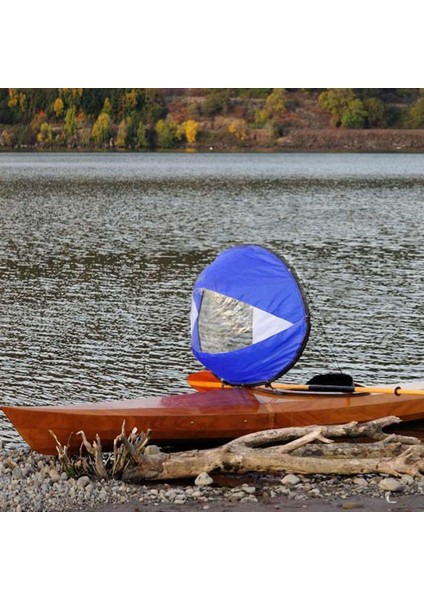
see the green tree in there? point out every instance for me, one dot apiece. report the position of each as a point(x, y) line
point(398, 116)
point(354, 115)
point(37, 100)
point(71, 96)
point(167, 135)
point(92, 100)
point(24, 136)
point(70, 124)
point(153, 106)
point(276, 103)
point(107, 106)
point(194, 108)
point(376, 112)
point(132, 133)
point(253, 92)
point(5, 111)
point(217, 101)
point(129, 102)
point(261, 118)
point(335, 101)
point(102, 129)
point(132, 122)
point(141, 136)
point(406, 93)
point(416, 114)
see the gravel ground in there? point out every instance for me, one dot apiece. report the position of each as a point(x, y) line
point(31, 482)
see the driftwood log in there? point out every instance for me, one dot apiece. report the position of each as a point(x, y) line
point(306, 450)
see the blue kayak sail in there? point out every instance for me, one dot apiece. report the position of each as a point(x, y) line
point(249, 319)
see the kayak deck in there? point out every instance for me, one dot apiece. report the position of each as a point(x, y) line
point(206, 417)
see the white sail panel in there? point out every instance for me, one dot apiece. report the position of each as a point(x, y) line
point(266, 325)
point(193, 315)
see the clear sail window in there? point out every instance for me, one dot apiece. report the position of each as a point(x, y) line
point(225, 324)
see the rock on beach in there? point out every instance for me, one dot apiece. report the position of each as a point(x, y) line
point(203, 479)
point(389, 484)
point(30, 482)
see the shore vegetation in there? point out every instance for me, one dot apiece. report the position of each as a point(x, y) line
point(143, 119)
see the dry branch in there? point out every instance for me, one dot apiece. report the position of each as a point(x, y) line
point(95, 451)
point(307, 450)
point(62, 452)
point(246, 455)
point(129, 448)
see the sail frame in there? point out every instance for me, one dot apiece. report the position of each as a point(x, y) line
point(296, 341)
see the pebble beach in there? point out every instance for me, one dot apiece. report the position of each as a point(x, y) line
point(30, 482)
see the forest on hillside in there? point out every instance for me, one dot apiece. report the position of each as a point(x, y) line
point(189, 118)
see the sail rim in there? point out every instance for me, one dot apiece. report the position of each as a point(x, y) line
point(306, 318)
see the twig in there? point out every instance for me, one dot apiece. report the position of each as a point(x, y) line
point(95, 451)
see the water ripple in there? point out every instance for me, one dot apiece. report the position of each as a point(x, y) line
point(99, 253)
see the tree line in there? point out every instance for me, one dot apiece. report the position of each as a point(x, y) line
point(144, 119)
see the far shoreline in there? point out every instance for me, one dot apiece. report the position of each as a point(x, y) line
point(299, 141)
point(208, 151)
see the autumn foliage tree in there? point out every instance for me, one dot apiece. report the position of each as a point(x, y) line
point(107, 106)
point(276, 103)
point(58, 107)
point(17, 99)
point(189, 130)
point(129, 102)
point(37, 121)
point(121, 138)
point(238, 128)
point(45, 135)
point(142, 118)
point(102, 129)
point(261, 118)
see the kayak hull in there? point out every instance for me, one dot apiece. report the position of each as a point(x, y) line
point(202, 417)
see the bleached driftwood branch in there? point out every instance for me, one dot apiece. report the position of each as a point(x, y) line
point(307, 450)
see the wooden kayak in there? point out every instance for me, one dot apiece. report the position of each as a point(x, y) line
point(203, 417)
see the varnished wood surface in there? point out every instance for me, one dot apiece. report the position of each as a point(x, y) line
point(206, 416)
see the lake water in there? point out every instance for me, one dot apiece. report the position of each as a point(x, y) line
point(99, 253)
